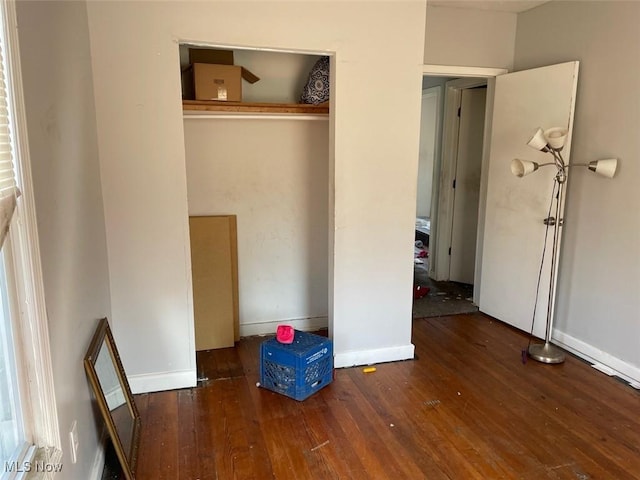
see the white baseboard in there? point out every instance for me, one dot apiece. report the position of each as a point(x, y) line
point(115, 397)
point(99, 459)
point(268, 328)
point(156, 382)
point(599, 359)
point(378, 355)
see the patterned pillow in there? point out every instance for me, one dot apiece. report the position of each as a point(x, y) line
point(317, 88)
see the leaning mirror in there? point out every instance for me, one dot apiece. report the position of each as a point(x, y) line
point(113, 396)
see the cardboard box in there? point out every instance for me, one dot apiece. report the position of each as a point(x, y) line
point(208, 55)
point(217, 82)
point(219, 57)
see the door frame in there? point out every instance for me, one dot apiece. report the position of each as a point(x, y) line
point(441, 213)
point(437, 141)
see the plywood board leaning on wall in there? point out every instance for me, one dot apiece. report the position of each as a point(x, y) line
point(214, 270)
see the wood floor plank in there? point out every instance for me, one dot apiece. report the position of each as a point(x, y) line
point(143, 461)
point(465, 408)
point(532, 413)
point(382, 424)
point(206, 365)
point(370, 439)
point(187, 437)
point(206, 448)
point(435, 427)
point(516, 413)
point(229, 454)
point(477, 417)
point(332, 445)
point(159, 438)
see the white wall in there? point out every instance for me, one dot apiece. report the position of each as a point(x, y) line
point(134, 48)
point(56, 67)
point(274, 175)
point(469, 37)
point(598, 302)
point(282, 75)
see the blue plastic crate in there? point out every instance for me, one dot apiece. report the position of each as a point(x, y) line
point(298, 369)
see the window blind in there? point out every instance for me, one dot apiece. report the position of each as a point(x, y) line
point(8, 189)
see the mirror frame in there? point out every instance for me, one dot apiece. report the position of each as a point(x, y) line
point(102, 335)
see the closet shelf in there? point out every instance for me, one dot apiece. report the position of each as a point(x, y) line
point(195, 106)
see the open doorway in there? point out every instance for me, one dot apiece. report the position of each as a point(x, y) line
point(450, 164)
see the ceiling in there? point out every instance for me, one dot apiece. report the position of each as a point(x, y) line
point(513, 6)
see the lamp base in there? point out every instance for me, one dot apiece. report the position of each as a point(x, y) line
point(546, 353)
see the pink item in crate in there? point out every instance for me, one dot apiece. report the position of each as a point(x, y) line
point(285, 334)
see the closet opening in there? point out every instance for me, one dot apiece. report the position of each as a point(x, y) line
point(259, 199)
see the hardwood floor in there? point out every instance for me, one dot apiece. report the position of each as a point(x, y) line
point(465, 408)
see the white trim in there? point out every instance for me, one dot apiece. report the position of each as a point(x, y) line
point(484, 181)
point(431, 91)
point(234, 46)
point(610, 372)
point(45, 456)
point(599, 359)
point(13, 469)
point(98, 464)
point(28, 268)
point(254, 116)
point(268, 328)
point(53, 456)
point(98, 460)
point(158, 382)
point(369, 357)
point(458, 71)
point(115, 398)
point(435, 173)
point(435, 91)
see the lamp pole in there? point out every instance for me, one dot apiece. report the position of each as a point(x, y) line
point(546, 352)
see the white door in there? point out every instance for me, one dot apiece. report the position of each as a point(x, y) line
point(466, 195)
point(514, 232)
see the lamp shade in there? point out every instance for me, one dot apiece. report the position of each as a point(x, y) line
point(520, 168)
point(538, 141)
point(606, 167)
point(556, 137)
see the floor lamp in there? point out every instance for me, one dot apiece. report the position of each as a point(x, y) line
point(551, 141)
